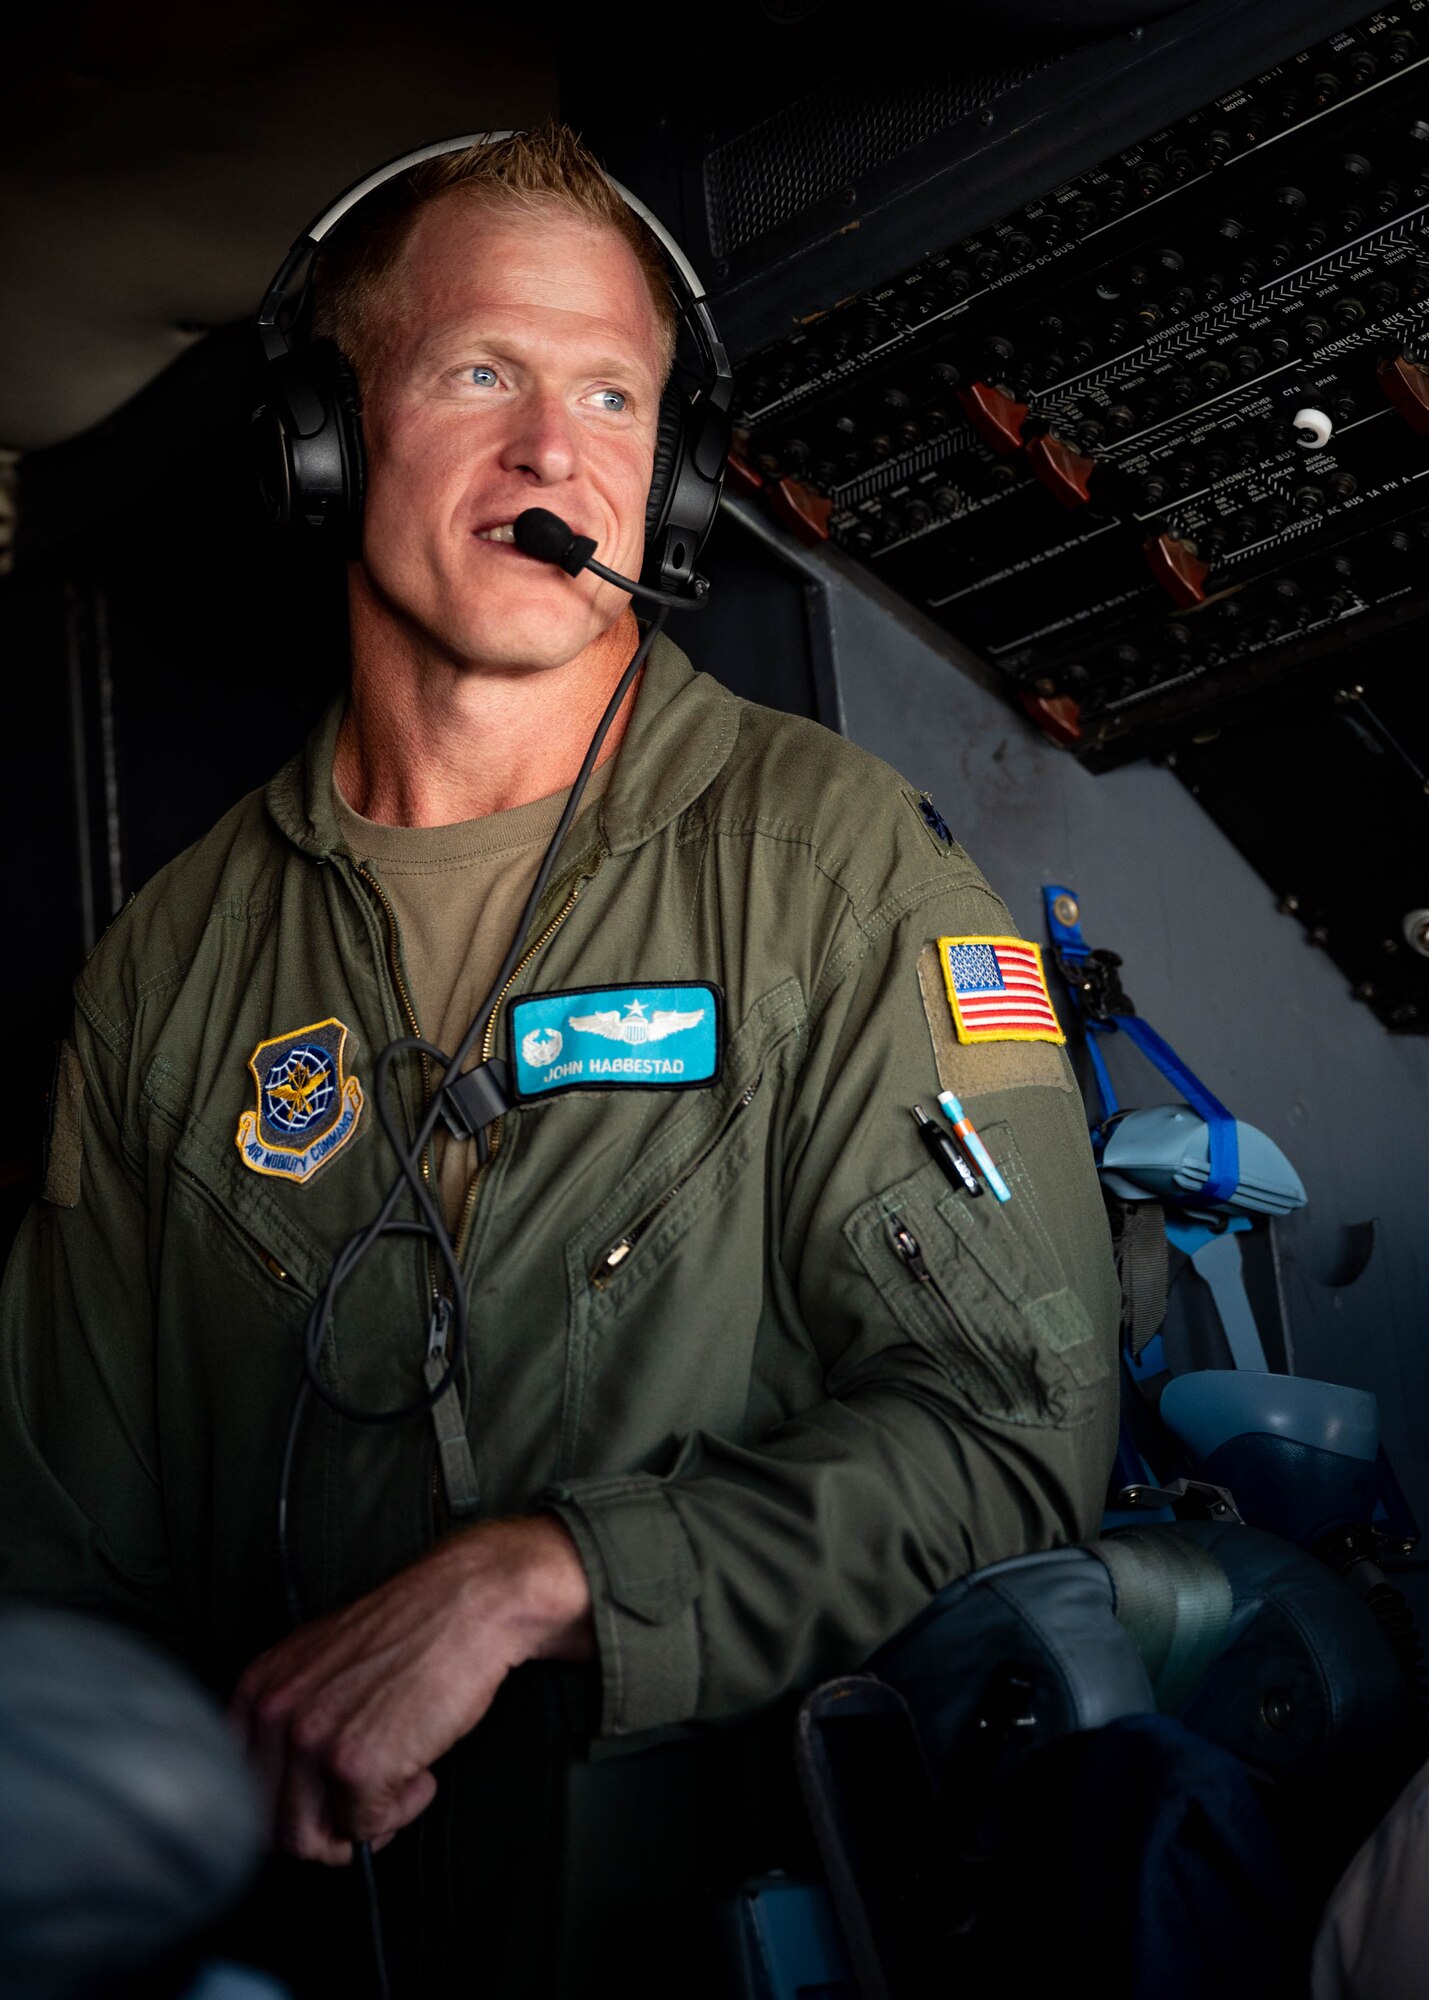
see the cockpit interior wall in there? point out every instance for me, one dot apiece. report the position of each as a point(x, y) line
point(150, 619)
point(1109, 360)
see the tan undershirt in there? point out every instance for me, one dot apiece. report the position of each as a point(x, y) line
point(458, 892)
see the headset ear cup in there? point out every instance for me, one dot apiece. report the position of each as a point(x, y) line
point(347, 409)
point(306, 435)
point(669, 443)
point(272, 466)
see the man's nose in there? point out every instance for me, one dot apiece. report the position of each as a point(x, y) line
point(542, 439)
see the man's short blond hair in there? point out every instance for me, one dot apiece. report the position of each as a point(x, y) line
point(358, 280)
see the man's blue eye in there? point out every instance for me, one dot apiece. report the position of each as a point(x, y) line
point(481, 375)
point(610, 399)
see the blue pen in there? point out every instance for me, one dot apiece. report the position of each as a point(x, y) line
point(981, 1158)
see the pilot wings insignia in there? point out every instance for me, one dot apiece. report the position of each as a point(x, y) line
point(635, 1026)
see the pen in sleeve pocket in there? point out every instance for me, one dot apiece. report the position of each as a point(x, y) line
point(954, 1166)
point(981, 1157)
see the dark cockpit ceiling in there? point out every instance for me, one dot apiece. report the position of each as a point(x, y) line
point(156, 159)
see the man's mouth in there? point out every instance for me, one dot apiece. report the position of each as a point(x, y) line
point(504, 533)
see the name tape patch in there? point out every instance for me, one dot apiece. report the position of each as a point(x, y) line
point(997, 990)
point(660, 1037)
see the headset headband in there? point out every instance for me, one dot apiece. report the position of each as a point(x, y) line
point(689, 292)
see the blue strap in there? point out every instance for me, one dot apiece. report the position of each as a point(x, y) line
point(1068, 943)
point(1066, 937)
point(1129, 1468)
point(1224, 1162)
point(1100, 1072)
point(1224, 1147)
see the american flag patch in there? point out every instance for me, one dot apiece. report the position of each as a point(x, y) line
point(997, 990)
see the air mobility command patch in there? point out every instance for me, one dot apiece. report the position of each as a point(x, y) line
point(998, 990)
point(604, 1037)
point(307, 1109)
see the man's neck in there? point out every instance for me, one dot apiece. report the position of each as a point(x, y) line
point(430, 742)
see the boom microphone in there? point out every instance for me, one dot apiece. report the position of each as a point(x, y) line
point(548, 538)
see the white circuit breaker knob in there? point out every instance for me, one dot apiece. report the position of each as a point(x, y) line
point(1313, 429)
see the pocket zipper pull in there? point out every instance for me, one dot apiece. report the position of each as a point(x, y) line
point(616, 1255)
point(611, 1262)
point(906, 1245)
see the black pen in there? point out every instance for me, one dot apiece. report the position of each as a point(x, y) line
point(945, 1152)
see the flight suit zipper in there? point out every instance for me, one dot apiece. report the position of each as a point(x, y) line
point(906, 1246)
point(394, 966)
point(619, 1252)
point(451, 1461)
point(488, 1046)
point(453, 1467)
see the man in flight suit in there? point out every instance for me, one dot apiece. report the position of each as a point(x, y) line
point(725, 1431)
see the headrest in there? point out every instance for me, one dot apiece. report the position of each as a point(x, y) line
point(1165, 1152)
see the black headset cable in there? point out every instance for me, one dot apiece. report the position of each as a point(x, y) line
point(432, 1224)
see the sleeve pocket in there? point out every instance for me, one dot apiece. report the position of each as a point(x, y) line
point(983, 1290)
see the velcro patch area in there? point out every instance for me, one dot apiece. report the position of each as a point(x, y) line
point(972, 1070)
point(64, 1144)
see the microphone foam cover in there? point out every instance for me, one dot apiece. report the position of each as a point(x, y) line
point(543, 534)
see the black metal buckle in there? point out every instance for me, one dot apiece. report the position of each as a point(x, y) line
point(1189, 1499)
point(1096, 981)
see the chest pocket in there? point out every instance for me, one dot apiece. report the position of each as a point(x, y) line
point(978, 1283)
point(666, 1279)
point(241, 1223)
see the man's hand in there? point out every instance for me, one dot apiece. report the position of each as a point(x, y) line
point(346, 1716)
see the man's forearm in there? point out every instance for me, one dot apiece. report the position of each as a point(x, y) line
point(346, 1716)
point(550, 1607)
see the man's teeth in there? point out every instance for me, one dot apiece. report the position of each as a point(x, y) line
point(505, 533)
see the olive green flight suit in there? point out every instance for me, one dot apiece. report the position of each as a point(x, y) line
point(771, 1438)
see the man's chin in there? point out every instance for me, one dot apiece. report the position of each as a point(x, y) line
point(497, 631)
point(530, 641)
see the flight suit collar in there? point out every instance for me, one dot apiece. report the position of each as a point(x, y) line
point(680, 737)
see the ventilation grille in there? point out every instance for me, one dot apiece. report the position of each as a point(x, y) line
point(771, 173)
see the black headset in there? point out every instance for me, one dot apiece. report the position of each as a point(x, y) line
point(306, 423)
